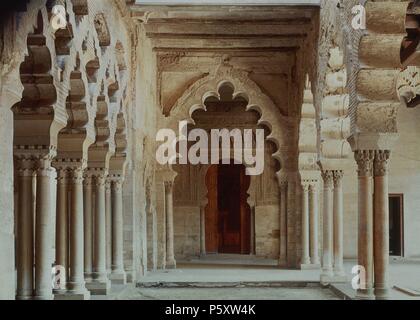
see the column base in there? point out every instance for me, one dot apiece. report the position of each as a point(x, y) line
point(310, 266)
point(88, 277)
point(326, 278)
point(282, 263)
point(44, 297)
point(171, 264)
point(25, 297)
point(99, 287)
point(382, 294)
point(365, 294)
point(118, 277)
point(73, 296)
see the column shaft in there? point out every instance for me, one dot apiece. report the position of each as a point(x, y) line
point(365, 234)
point(314, 224)
point(338, 224)
point(87, 226)
point(283, 225)
point(62, 234)
point(108, 224)
point(305, 226)
point(118, 272)
point(76, 277)
point(327, 268)
point(203, 230)
point(43, 231)
point(99, 262)
point(381, 225)
point(170, 256)
point(25, 227)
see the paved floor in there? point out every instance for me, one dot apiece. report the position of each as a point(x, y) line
point(230, 281)
point(226, 294)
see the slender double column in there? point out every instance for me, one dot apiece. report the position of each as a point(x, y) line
point(170, 255)
point(76, 285)
point(25, 227)
point(108, 224)
point(364, 161)
point(339, 273)
point(314, 224)
point(327, 262)
point(305, 258)
point(203, 229)
point(62, 228)
point(381, 225)
point(100, 283)
point(44, 229)
point(118, 274)
point(87, 226)
point(283, 224)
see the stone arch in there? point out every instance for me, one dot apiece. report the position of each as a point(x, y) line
point(102, 30)
point(193, 99)
point(39, 91)
point(80, 7)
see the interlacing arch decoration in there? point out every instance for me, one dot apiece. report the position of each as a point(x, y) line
point(281, 128)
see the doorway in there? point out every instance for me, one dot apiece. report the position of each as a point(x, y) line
point(396, 225)
point(228, 215)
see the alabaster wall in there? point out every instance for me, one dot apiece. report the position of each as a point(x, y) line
point(404, 179)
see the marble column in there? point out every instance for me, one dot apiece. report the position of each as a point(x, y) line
point(76, 284)
point(108, 224)
point(339, 274)
point(283, 224)
point(203, 229)
point(100, 284)
point(62, 234)
point(314, 224)
point(327, 252)
point(305, 259)
point(43, 230)
point(118, 274)
point(381, 225)
point(365, 235)
point(170, 255)
point(25, 227)
point(87, 226)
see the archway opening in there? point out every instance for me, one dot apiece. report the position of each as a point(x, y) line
point(228, 215)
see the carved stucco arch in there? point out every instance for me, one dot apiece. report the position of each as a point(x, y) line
point(193, 99)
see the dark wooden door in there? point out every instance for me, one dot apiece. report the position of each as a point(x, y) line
point(228, 216)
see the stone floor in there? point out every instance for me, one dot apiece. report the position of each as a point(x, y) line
point(133, 293)
point(230, 281)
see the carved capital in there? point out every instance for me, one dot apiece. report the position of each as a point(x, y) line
point(77, 175)
point(24, 166)
point(381, 163)
point(364, 159)
point(328, 177)
point(338, 178)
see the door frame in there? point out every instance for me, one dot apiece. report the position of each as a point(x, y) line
point(401, 197)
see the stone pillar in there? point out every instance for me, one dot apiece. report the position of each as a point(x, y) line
point(43, 230)
point(76, 284)
point(62, 227)
point(170, 256)
point(305, 260)
point(88, 229)
point(118, 274)
point(365, 235)
point(108, 224)
point(25, 227)
point(327, 263)
point(314, 224)
point(283, 224)
point(381, 225)
point(100, 284)
point(339, 273)
point(203, 229)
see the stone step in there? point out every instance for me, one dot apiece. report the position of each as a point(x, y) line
point(238, 284)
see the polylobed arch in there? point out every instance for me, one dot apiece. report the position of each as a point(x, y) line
point(195, 97)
